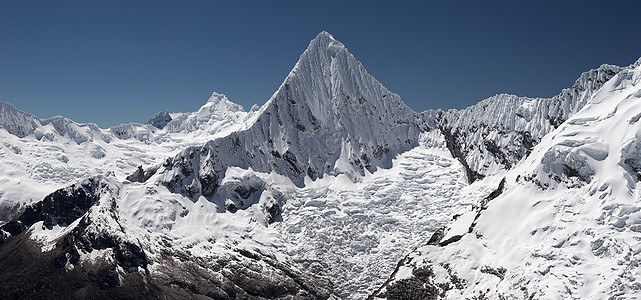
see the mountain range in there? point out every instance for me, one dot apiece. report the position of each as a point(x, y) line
point(333, 189)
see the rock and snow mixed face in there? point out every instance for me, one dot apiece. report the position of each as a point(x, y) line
point(216, 201)
point(40, 156)
point(328, 117)
point(319, 192)
point(564, 223)
point(495, 134)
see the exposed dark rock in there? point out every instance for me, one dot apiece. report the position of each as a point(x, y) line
point(498, 272)
point(61, 207)
point(491, 147)
point(453, 239)
point(455, 147)
point(635, 165)
point(379, 151)
point(436, 237)
point(483, 205)
point(293, 162)
point(249, 275)
point(494, 194)
point(245, 191)
point(311, 173)
point(140, 175)
point(160, 120)
point(527, 140)
point(231, 207)
point(273, 211)
point(207, 184)
point(417, 287)
point(571, 172)
point(29, 273)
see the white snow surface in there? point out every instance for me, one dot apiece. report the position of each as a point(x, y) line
point(496, 133)
point(40, 156)
point(360, 230)
point(568, 224)
point(330, 114)
point(361, 180)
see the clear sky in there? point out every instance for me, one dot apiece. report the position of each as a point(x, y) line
point(112, 62)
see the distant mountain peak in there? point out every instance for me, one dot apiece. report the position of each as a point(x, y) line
point(160, 120)
point(220, 103)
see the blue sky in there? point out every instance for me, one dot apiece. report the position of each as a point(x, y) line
point(112, 62)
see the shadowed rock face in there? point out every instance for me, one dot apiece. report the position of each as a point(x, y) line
point(61, 207)
point(160, 120)
point(29, 273)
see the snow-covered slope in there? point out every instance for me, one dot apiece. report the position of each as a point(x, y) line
point(39, 156)
point(563, 224)
point(217, 118)
point(213, 204)
point(328, 117)
point(495, 134)
point(322, 190)
point(107, 238)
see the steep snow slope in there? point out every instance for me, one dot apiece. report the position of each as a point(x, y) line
point(495, 134)
point(320, 191)
point(563, 224)
point(328, 117)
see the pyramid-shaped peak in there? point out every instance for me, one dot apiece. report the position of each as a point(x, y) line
point(325, 36)
point(324, 43)
point(327, 76)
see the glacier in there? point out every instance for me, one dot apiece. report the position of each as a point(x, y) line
point(562, 223)
point(327, 189)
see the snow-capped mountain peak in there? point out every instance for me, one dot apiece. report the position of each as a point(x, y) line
point(327, 76)
point(160, 119)
point(217, 115)
point(328, 117)
point(320, 191)
point(218, 103)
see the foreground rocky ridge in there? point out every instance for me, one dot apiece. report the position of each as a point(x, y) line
point(93, 252)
